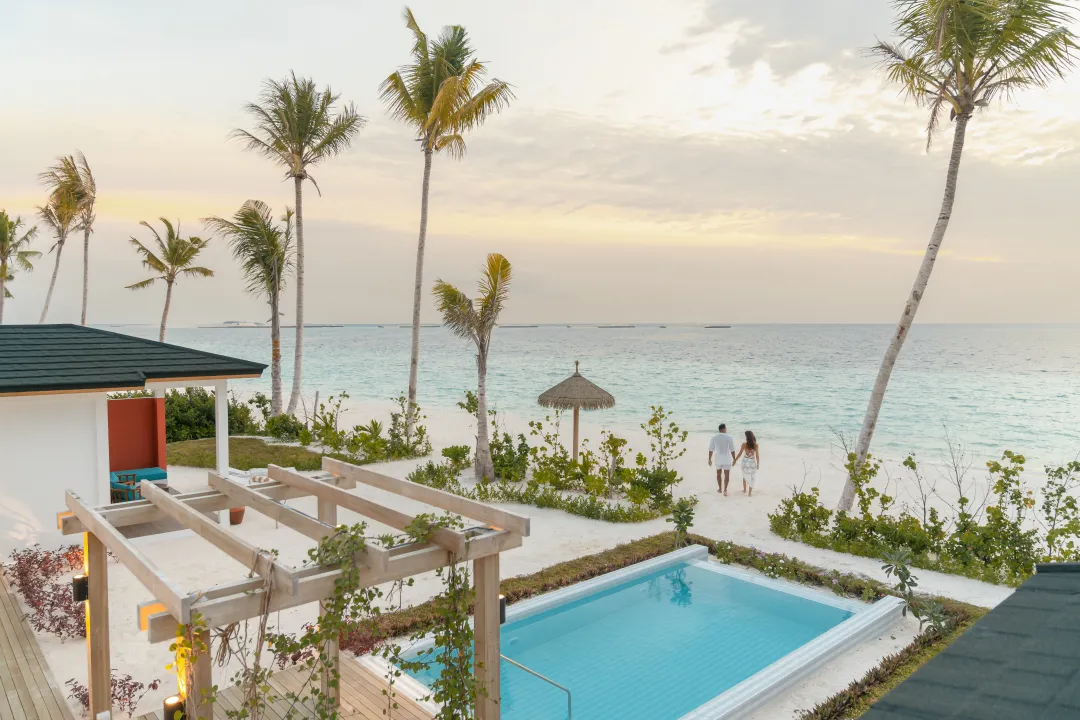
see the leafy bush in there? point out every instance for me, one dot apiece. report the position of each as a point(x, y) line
point(999, 540)
point(444, 476)
point(458, 457)
point(682, 516)
point(32, 572)
point(189, 415)
point(126, 692)
point(284, 427)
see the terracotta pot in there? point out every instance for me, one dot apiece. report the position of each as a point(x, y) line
point(236, 515)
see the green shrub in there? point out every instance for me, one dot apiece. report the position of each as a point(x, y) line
point(284, 427)
point(1000, 543)
point(458, 457)
point(189, 415)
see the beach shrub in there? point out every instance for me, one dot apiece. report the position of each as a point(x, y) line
point(444, 476)
point(33, 572)
point(189, 415)
point(284, 427)
point(682, 516)
point(999, 539)
point(458, 457)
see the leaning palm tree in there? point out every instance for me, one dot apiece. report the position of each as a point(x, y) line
point(14, 253)
point(172, 258)
point(60, 213)
point(474, 320)
point(959, 55)
point(266, 255)
point(442, 95)
point(72, 175)
point(297, 127)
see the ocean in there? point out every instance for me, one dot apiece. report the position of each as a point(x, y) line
point(993, 387)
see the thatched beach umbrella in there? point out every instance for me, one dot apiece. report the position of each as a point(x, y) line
point(577, 393)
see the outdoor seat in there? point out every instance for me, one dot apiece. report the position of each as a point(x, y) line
point(123, 487)
point(156, 475)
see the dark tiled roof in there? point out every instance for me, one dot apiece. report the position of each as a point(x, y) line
point(57, 358)
point(1019, 662)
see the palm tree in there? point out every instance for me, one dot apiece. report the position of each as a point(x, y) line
point(474, 320)
point(266, 254)
point(14, 253)
point(442, 95)
point(72, 174)
point(61, 214)
point(959, 55)
point(173, 257)
point(296, 127)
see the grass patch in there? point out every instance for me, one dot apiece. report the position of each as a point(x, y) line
point(849, 703)
point(245, 453)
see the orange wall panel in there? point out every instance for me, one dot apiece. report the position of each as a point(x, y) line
point(136, 433)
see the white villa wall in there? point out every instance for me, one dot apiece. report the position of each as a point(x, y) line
point(49, 444)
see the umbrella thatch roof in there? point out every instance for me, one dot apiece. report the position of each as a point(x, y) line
point(577, 392)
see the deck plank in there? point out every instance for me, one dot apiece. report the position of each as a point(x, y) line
point(28, 690)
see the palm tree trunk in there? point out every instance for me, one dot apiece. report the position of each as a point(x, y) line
point(52, 281)
point(165, 312)
point(3, 289)
point(485, 471)
point(275, 354)
point(877, 396)
point(294, 397)
point(85, 271)
point(414, 357)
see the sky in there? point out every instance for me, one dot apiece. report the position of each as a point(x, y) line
point(663, 161)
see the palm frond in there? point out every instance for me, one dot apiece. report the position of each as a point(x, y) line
point(142, 284)
point(494, 289)
point(457, 310)
point(452, 145)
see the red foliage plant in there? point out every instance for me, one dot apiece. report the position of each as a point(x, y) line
point(32, 572)
point(126, 692)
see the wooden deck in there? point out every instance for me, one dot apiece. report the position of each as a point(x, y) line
point(28, 690)
point(361, 697)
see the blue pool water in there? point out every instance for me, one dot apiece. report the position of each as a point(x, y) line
point(653, 648)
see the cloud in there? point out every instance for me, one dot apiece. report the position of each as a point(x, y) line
point(791, 35)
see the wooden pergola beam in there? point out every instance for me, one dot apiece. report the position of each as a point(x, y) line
point(231, 544)
point(465, 507)
point(287, 516)
point(318, 583)
point(137, 512)
point(452, 540)
point(141, 567)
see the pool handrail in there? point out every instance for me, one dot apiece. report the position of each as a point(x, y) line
point(569, 701)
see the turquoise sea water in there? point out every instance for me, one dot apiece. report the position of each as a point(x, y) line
point(653, 648)
point(993, 386)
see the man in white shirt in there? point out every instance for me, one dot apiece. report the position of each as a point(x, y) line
point(722, 456)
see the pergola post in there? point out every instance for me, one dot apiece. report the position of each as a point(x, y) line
point(221, 429)
point(328, 515)
point(221, 426)
point(96, 566)
point(199, 696)
point(486, 630)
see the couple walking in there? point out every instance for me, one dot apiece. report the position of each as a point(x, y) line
point(722, 456)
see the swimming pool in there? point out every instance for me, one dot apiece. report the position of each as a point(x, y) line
point(676, 637)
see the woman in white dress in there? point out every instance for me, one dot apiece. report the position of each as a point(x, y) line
point(750, 453)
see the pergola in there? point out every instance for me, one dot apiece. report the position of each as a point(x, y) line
point(497, 530)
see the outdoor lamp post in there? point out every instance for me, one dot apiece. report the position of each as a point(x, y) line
point(80, 588)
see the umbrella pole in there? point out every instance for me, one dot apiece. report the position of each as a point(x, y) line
point(576, 412)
